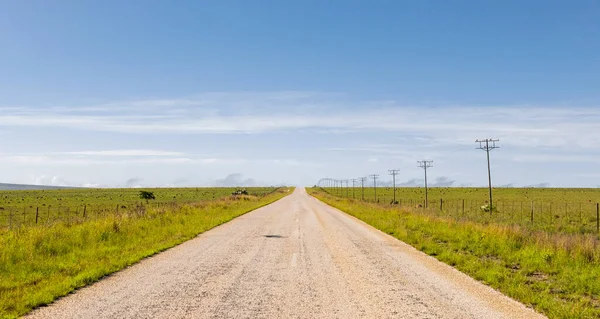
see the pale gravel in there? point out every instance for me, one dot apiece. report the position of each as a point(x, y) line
point(295, 258)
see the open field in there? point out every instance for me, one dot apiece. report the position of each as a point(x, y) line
point(30, 207)
point(550, 209)
point(556, 273)
point(39, 264)
point(295, 258)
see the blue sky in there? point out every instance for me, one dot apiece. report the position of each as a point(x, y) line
point(156, 93)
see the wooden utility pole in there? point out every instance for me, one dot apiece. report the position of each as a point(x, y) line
point(425, 165)
point(375, 177)
point(394, 172)
point(485, 145)
point(362, 187)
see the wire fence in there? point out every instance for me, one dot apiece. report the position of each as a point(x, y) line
point(559, 216)
point(13, 217)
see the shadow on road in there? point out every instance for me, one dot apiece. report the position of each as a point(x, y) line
point(274, 236)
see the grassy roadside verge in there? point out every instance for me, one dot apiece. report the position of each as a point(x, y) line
point(557, 274)
point(40, 264)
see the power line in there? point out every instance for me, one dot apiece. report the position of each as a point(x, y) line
point(375, 176)
point(485, 145)
point(394, 172)
point(425, 165)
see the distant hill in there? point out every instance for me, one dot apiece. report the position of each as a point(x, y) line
point(17, 187)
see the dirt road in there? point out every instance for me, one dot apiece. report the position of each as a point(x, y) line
point(296, 258)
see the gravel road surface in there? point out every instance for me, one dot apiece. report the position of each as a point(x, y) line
point(295, 258)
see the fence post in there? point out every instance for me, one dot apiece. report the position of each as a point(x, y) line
point(117, 209)
point(532, 205)
point(463, 207)
point(23, 221)
point(551, 215)
point(597, 217)
point(37, 214)
point(84, 210)
point(441, 204)
point(542, 214)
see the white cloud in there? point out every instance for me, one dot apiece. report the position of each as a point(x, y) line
point(78, 161)
point(234, 113)
point(125, 153)
point(239, 131)
point(537, 158)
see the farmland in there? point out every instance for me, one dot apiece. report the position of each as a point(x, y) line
point(553, 268)
point(568, 210)
point(39, 263)
point(47, 206)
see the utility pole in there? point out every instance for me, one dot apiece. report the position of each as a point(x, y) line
point(347, 189)
point(394, 172)
point(354, 180)
point(425, 165)
point(485, 145)
point(375, 176)
point(362, 186)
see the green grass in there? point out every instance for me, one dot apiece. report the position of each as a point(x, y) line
point(556, 273)
point(39, 264)
point(561, 210)
point(505, 194)
point(21, 207)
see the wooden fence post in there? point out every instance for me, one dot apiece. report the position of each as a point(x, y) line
point(37, 213)
point(532, 206)
point(551, 215)
point(84, 210)
point(597, 217)
point(463, 207)
point(441, 204)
